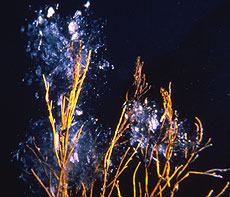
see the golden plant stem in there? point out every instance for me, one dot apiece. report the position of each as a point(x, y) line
point(117, 172)
point(126, 164)
point(140, 190)
point(169, 179)
point(83, 191)
point(52, 120)
point(223, 190)
point(41, 183)
point(109, 152)
point(74, 95)
point(146, 181)
point(134, 181)
point(91, 189)
point(78, 136)
point(66, 119)
point(118, 190)
point(210, 193)
point(60, 181)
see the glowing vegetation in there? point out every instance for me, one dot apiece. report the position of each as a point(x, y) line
point(70, 152)
point(168, 174)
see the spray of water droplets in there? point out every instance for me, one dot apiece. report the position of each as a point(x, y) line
point(50, 38)
point(146, 127)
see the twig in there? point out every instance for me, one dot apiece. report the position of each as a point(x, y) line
point(41, 183)
point(134, 181)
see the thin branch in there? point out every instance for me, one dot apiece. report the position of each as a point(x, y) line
point(134, 181)
point(41, 183)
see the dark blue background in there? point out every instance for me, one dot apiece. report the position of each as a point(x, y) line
point(185, 42)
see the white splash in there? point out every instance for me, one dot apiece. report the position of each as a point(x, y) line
point(87, 4)
point(72, 27)
point(50, 12)
point(153, 123)
point(74, 157)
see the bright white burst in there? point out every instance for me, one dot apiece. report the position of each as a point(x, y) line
point(50, 12)
point(87, 4)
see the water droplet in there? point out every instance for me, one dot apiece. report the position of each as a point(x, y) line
point(50, 12)
point(36, 95)
point(38, 71)
point(87, 4)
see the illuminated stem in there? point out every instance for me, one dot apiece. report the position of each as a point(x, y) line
point(109, 152)
point(39, 180)
point(134, 181)
point(223, 190)
point(52, 120)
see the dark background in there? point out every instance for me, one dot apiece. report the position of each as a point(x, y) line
point(185, 42)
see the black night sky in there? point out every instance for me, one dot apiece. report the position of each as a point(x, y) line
point(186, 42)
